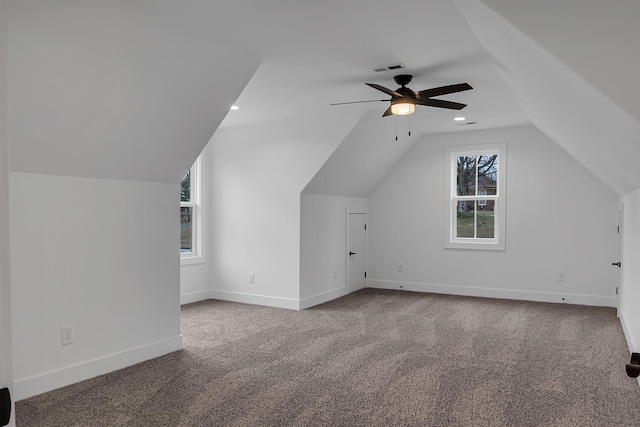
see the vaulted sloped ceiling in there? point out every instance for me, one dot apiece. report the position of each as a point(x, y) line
point(122, 89)
point(318, 53)
point(134, 89)
point(571, 66)
point(364, 157)
point(597, 39)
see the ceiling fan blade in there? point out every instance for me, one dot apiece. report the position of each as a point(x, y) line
point(387, 112)
point(444, 90)
point(441, 104)
point(359, 102)
point(384, 89)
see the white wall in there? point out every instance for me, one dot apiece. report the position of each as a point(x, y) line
point(559, 218)
point(100, 255)
point(323, 238)
point(630, 296)
point(195, 282)
point(6, 364)
point(120, 102)
point(257, 175)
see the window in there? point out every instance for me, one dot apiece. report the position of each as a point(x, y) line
point(482, 192)
point(475, 197)
point(190, 248)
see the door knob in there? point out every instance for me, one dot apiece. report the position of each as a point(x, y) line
point(352, 253)
point(616, 263)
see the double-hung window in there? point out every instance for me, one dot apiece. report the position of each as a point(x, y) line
point(190, 245)
point(475, 197)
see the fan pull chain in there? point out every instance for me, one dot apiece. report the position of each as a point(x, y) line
point(396, 128)
point(409, 126)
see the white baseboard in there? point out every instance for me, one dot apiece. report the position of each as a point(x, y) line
point(195, 297)
point(627, 333)
point(41, 383)
point(266, 300)
point(594, 300)
point(628, 336)
point(289, 303)
point(324, 297)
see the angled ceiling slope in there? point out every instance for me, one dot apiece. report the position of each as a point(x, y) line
point(584, 121)
point(116, 89)
point(282, 156)
point(364, 158)
point(318, 53)
point(596, 39)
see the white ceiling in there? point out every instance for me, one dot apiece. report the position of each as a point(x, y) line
point(597, 39)
point(317, 53)
point(580, 93)
point(115, 89)
point(133, 89)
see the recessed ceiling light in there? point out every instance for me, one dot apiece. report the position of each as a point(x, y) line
point(234, 107)
point(459, 119)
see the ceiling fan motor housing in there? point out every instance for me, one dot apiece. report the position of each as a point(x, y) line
point(403, 79)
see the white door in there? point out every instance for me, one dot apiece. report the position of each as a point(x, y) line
point(357, 250)
point(618, 262)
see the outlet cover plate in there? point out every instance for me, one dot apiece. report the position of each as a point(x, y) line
point(67, 335)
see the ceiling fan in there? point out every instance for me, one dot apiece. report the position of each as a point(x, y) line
point(404, 100)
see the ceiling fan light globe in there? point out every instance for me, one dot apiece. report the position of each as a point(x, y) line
point(403, 109)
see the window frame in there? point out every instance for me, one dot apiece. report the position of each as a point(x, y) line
point(195, 256)
point(451, 241)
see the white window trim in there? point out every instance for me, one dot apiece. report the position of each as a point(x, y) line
point(196, 255)
point(451, 154)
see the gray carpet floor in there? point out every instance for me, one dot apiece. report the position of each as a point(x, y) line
point(372, 358)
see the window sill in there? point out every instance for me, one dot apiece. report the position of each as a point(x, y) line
point(481, 246)
point(191, 260)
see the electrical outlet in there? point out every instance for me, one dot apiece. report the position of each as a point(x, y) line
point(400, 267)
point(252, 278)
point(67, 335)
point(561, 276)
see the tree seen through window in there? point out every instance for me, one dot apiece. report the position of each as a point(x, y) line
point(186, 215)
point(476, 176)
